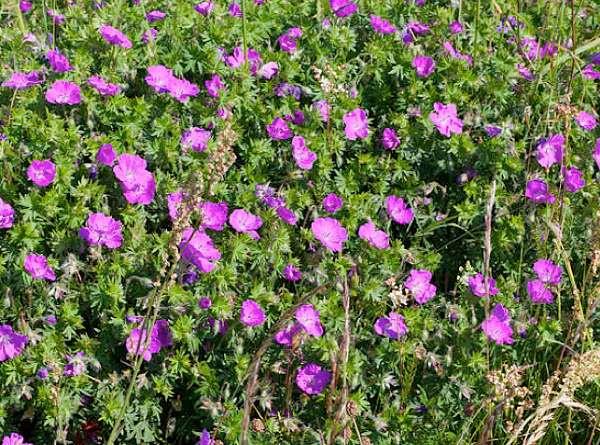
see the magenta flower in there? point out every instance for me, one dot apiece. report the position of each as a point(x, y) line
point(14, 439)
point(309, 319)
point(536, 190)
point(288, 40)
point(25, 6)
point(235, 10)
point(389, 139)
point(398, 210)
point(419, 284)
point(381, 26)
point(492, 131)
point(214, 85)
point(41, 173)
point(252, 314)
point(303, 156)
point(375, 237)
point(21, 81)
point(38, 268)
point(155, 16)
point(550, 151)
point(590, 73)
point(204, 303)
point(11, 343)
point(268, 70)
point(205, 439)
point(525, 72)
point(287, 215)
point(136, 344)
point(149, 35)
point(7, 215)
point(392, 326)
point(573, 179)
point(586, 120)
point(102, 230)
point(596, 153)
point(106, 155)
point(445, 119)
point(414, 29)
point(497, 326)
point(236, 59)
point(332, 203)
point(278, 130)
point(103, 87)
point(292, 273)
point(311, 378)
point(114, 36)
point(181, 90)
point(198, 249)
point(285, 337)
point(330, 233)
point(356, 124)
point(343, 8)
point(424, 66)
point(159, 78)
point(478, 288)
point(214, 215)
point(58, 62)
point(57, 18)
point(455, 27)
point(547, 271)
point(539, 293)
point(204, 8)
point(245, 222)
point(196, 139)
point(62, 92)
point(136, 182)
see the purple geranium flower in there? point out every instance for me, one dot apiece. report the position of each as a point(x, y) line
point(278, 130)
point(204, 8)
point(41, 173)
point(303, 156)
point(285, 337)
point(586, 120)
point(537, 191)
point(205, 439)
point(330, 233)
point(106, 155)
point(311, 378)
point(445, 119)
point(75, 365)
point(137, 183)
point(343, 8)
point(204, 303)
point(63, 92)
point(389, 139)
point(288, 40)
point(392, 326)
point(136, 342)
point(539, 293)
point(309, 319)
point(287, 215)
point(102, 230)
point(20, 81)
point(398, 210)
point(268, 70)
point(497, 326)
point(114, 36)
point(381, 25)
point(103, 87)
point(375, 237)
point(37, 266)
point(7, 215)
point(596, 153)
point(547, 271)
point(214, 85)
point(419, 283)
point(245, 222)
point(11, 343)
point(492, 131)
point(323, 107)
point(14, 439)
point(477, 285)
point(356, 125)
point(252, 314)
point(424, 66)
point(25, 6)
point(455, 27)
point(58, 62)
point(292, 273)
point(159, 78)
point(214, 215)
point(196, 139)
point(155, 16)
point(149, 35)
point(332, 203)
point(573, 179)
point(198, 249)
point(550, 150)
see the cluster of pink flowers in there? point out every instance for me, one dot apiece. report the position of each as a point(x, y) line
point(497, 326)
point(14, 439)
point(136, 182)
point(445, 119)
point(162, 80)
point(375, 237)
point(102, 230)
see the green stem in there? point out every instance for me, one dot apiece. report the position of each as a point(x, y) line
point(20, 18)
